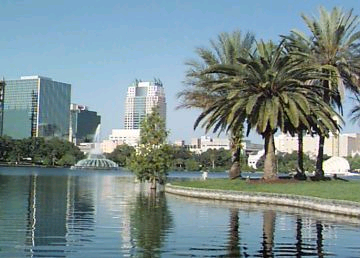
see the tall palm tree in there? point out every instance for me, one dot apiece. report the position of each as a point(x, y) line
point(201, 94)
point(267, 91)
point(355, 111)
point(334, 47)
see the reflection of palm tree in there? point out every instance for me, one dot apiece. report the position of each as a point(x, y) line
point(298, 237)
point(150, 219)
point(319, 239)
point(268, 233)
point(233, 246)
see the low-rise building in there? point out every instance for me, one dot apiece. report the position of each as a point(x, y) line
point(205, 143)
point(121, 136)
point(342, 145)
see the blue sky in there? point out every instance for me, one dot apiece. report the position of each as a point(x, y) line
point(100, 47)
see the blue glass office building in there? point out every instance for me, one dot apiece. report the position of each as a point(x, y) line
point(36, 106)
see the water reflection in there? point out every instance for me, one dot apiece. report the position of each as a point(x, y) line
point(105, 215)
point(233, 244)
point(151, 221)
point(268, 233)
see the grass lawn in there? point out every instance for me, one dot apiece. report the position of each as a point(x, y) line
point(333, 189)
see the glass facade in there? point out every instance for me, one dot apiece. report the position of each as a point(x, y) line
point(36, 106)
point(141, 98)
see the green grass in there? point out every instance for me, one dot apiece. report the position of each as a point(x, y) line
point(338, 190)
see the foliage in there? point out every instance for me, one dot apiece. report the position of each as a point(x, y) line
point(180, 156)
point(215, 160)
point(354, 162)
point(121, 155)
point(152, 159)
point(287, 162)
point(265, 90)
point(150, 219)
point(39, 151)
point(332, 48)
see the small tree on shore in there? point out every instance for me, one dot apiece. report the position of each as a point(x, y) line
point(152, 159)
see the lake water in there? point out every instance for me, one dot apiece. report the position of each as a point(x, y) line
point(64, 213)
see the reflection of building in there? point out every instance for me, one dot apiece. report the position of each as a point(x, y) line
point(36, 106)
point(2, 88)
point(83, 123)
point(141, 98)
point(343, 145)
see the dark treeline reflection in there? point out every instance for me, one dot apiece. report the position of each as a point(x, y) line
point(150, 220)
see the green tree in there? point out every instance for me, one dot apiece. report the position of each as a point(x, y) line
point(6, 145)
point(121, 155)
point(192, 165)
point(152, 159)
point(202, 92)
point(267, 90)
point(67, 160)
point(333, 48)
point(180, 155)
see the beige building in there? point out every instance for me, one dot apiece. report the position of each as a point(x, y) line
point(343, 145)
point(119, 137)
point(204, 143)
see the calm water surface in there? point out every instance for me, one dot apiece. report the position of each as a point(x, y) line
point(64, 213)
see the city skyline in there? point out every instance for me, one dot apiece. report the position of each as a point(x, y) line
point(100, 47)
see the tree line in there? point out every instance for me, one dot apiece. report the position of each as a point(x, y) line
point(38, 151)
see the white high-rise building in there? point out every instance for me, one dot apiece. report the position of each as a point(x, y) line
point(141, 98)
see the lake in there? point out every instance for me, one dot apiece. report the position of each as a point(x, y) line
point(65, 213)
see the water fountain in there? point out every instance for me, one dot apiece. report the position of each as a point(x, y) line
point(95, 159)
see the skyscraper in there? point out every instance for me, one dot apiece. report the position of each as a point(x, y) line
point(36, 106)
point(83, 123)
point(141, 98)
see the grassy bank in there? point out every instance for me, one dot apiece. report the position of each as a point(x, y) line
point(334, 189)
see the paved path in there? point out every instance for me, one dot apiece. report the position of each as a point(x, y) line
point(325, 205)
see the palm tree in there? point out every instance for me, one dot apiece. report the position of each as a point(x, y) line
point(236, 146)
point(225, 50)
point(334, 47)
point(355, 111)
point(267, 91)
point(322, 120)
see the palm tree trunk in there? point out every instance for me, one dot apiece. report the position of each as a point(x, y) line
point(319, 173)
point(270, 168)
point(300, 173)
point(235, 170)
point(153, 184)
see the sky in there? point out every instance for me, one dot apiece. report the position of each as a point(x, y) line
point(101, 47)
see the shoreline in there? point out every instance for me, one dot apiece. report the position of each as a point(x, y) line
point(339, 207)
